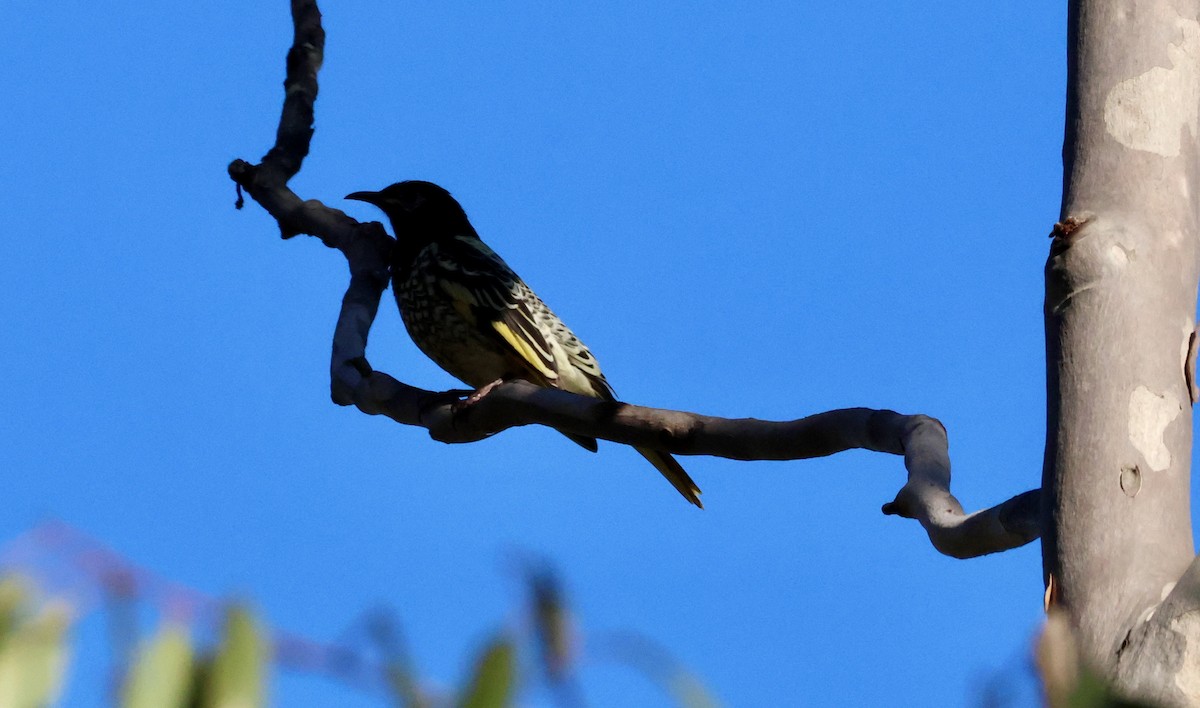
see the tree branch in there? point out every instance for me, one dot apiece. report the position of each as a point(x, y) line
point(920, 439)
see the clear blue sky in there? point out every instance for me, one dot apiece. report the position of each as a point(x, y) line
point(761, 212)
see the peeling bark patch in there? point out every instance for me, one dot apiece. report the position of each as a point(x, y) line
point(1131, 480)
point(1188, 680)
point(1063, 229)
point(1188, 331)
point(1149, 111)
point(1189, 366)
point(1149, 416)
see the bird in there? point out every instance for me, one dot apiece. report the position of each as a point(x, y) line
point(469, 312)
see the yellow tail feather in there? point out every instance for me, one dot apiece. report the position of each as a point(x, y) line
point(674, 473)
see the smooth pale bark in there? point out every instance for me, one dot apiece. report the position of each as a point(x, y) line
point(1120, 302)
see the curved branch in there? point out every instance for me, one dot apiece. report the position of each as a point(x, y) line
point(920, 439)
point(365, 246)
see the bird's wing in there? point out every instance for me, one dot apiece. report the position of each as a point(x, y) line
point(482, 287)
point(585, 374)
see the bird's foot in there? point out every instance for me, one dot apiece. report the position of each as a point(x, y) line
point(476, 396)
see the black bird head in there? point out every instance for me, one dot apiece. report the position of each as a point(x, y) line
point(420, 212)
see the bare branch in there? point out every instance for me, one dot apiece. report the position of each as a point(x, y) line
point(920, 439)
point(365, 246)
point(927, 498)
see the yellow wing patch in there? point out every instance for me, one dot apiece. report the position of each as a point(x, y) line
point(523, 348)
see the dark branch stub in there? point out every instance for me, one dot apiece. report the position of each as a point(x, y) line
point(920, 439)
point(1189, 367)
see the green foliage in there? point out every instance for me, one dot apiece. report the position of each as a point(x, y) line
point(170, 669)
point(236, 675)
point(12, 599)
point(33, 647)
point(493, 680)
point(163, 674)
point(167, 673)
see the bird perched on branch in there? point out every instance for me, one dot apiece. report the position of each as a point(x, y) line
point(473, 316)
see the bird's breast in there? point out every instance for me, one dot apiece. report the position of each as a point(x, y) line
point(447, 336)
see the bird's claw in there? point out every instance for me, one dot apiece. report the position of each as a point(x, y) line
point(476, 396)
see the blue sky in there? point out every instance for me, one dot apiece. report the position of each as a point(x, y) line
point(761, 212)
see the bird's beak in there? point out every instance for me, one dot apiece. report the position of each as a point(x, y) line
point(368, 197)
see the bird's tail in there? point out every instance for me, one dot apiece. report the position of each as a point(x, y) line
point(674, 473)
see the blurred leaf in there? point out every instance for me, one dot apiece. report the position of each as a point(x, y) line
point(1067, 681)
point(690, 692)
point(401, 680)
point(553, 624)
point(33, 659)
point(1089, 692)
point(1057, 658)
point(657, 665)
point(161, 677)
point(13, 595)
point(237, 675)
point(493, 680)
point(403, 686)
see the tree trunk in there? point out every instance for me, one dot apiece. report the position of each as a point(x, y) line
point(1120, 305)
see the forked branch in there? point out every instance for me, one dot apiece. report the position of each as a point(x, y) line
point(920, 439)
